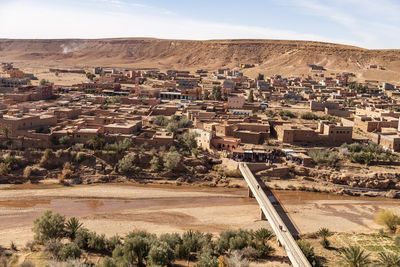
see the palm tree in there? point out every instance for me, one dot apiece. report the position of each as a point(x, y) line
point(388, 259)
point(71, 227)
point(6, 131)
point(95, 142)
point(354, 256)
point(324, 233)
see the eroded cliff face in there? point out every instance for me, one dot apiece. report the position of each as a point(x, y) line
point(270, 56)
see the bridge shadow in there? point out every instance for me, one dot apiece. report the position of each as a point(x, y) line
point(291, 227)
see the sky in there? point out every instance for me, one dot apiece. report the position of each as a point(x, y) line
point(373, 24)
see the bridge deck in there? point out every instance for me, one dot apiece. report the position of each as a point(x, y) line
point(293, 251)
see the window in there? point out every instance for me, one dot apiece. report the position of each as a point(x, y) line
point(85, 136)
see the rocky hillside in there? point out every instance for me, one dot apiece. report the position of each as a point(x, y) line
point(269, 56)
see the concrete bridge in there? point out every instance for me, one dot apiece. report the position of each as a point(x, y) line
point(268, 212)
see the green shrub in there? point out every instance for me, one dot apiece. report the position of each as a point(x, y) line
point(287, 113)
point(233, 239)
point(324, 157)
point(136, 249)
point(81, 238)
point(161, 254)
point(119, 147)
point(48, 226)
point(160, 120)
point(156, 164)
point(47, 155)
point(126, 164)
point(388, 218)
point(108, 262)
point(325, 243)
point(171, 160)
point(173, 240)
point(206, 258)
point(53, 246)
point(64, 140)
point(309, 116)
point(308, 251)
point(96, 243)
point(69, 251)
point(113, 242)
point(4, 169)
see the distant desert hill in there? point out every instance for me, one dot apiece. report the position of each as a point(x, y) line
point(270, 56)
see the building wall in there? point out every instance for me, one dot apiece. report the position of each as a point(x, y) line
point(236, 102)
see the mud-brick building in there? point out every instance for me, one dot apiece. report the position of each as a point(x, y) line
point(370, 124)
point(326, 134)
point(16, 125)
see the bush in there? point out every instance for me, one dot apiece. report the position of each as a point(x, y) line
point(233, 240)
point(161, 254)
point(67, 172)
point(30, 245)
point(80, 156)
point(53, 246)
point(155, 164)
point(194, 241)
point(96, 243)
point(250, 253)
point(69, 251)
point(108, 262)
point(308, 251)
point(171, 160)
point(120, 146)
point(126, 164)
point(325, 243)
point(172, 127)
point(287, 113)
point(160, 120)
point(309, 116)
point(207, 259)
point(237, 259)
point(48, 226)
point(233, 173)
point(173, 240)
point(81, 238)
point(136, 249)
point(113, 242)
point(324, 157)
point(44, 161)
point(64, 140)
point(27, 171)
point(388, 218)
point(4, 169)
point(189, 139)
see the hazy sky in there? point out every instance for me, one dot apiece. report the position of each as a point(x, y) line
point(365, 23)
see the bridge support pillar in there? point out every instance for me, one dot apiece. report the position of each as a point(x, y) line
point(249, 192)
point(262, 215)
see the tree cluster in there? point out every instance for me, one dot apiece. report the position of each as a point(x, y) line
point(68, 239)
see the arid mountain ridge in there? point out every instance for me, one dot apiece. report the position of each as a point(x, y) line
point(270, 56)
